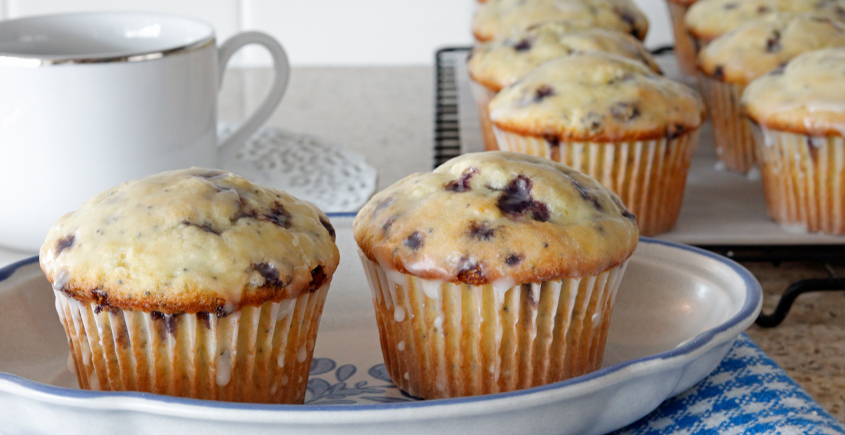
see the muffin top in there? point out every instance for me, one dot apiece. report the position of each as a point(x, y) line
point(596, 97)
point(189, 241)
point(806, 97)
point(497, 218)
point(503, 18)
point(501, 62)
point(709, 19)
point(763, 44)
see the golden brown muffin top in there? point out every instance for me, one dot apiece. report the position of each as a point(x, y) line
point(189, 241)
point(806, 97)
point(497, 218)
point(764, 44)
point(596, 97)
point(503, 18)
point(708, 19)
point(501, 62)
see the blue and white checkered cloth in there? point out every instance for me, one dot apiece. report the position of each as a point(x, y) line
point(747, 394)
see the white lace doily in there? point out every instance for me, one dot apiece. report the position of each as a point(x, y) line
point(330, 176)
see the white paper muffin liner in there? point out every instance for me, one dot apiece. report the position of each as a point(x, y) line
point(684, 46)
point(482, 96)
point(803, 179)
point(257, 354)
point(447, 340)
point(649, 176)
point(732, 133)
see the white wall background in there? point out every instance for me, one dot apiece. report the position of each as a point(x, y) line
point(328, 32)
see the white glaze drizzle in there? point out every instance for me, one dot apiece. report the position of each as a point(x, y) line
point(399, 313)
point(285, 308)
point(75, 308)
point(431, 287)
point(93, 381)
point(71, 363)
point(396, 281)
point(227, 339)
point(224, 368)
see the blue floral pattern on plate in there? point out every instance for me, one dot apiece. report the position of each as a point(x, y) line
point(322, 391)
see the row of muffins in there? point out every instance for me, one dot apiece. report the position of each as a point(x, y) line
point(731, 44)
point(495, 272)
point(695, 23)
point(748, 39)
point(581, 89)
point(730, 62)
point(517, 36)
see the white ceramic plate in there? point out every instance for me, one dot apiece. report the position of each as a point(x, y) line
point(678, 311)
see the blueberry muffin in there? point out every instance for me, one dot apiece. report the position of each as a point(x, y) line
point(799, 113)
point(611, 118)
point(707, 20)
point(499, 63)
point(193, 283)
point(495, 272)
point(504, 18)
point(732, 60)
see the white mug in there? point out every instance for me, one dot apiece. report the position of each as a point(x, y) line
point(91, 100)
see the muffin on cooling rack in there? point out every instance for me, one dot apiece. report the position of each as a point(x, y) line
point(611, 118)
point(504, 18)
point(799, 111)
point(495, 272)
point(733, 60)
point(496, 64)
point(193, 283)
point(707, 20)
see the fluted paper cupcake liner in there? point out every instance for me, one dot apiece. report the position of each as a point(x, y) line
point(803, 179)
point(684, 46)
point(731, 130)
point(258, 354)
point(482, 96)
point(449, 340)
point(649, 176)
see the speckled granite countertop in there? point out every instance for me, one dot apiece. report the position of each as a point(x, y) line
point(387, 114)
point(810, 343)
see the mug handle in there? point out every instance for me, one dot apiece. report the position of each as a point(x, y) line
point(280, 64)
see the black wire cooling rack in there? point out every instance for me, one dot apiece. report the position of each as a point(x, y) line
point(447, 144)
point(447, 137)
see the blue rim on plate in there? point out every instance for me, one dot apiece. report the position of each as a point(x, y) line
point(752, 302)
